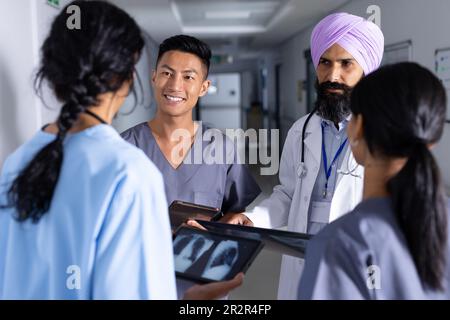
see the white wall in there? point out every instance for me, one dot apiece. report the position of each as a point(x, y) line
point(143, 107)
point(426, 23)
point(228, 91)
point(223, 108)
point(250, 82)
point(22, 28)
point(49, 108)
point(16, 123)
point(24, 25)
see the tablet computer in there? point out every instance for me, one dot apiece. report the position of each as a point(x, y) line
point(204, 256)
point(180, 211)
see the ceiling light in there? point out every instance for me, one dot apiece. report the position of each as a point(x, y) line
point(227, 14)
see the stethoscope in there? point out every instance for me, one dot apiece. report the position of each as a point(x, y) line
point(302, 170)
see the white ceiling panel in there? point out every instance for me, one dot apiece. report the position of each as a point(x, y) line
point(229, 25)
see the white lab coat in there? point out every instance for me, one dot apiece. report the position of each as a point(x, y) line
point(289, 202)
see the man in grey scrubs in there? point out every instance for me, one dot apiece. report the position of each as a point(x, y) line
point(173, 141)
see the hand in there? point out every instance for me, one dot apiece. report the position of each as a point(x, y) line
point(195, 224)
point(237, 218)
point(191, 224)
point(215, 290)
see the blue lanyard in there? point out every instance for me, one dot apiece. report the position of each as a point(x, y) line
point(324, 156)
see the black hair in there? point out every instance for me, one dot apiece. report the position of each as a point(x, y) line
point(187, 44)
point(79, 65)
point(404, 109)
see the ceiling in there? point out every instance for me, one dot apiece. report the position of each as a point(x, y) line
point(238, 27)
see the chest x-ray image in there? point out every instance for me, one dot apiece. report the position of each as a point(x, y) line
point(204, 256)
point(187, 249)
point(222, 260)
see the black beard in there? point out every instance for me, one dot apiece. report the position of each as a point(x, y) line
point(333, 106)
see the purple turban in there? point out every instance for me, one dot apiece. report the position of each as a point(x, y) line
point(361, 38)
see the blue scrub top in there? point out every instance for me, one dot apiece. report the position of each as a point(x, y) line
point(364, 255)
point(107, 233)
point(230, 187)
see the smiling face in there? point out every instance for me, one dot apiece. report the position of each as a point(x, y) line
point(178, 82)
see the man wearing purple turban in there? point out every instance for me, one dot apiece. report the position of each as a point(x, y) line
point(344, 48)
point(319, 178)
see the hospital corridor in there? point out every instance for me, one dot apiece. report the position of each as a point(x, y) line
point(232, 150)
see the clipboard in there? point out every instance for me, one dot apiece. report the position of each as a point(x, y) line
point(180, 211)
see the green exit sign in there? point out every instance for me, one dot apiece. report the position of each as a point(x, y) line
point(53, 3)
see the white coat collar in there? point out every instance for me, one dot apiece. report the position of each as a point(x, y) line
point(313, 137)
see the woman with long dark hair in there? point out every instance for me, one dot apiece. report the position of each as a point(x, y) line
point(84, 214)
point(394, 245)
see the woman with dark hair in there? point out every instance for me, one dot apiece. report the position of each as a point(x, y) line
point(394, 245)
point(84, 214)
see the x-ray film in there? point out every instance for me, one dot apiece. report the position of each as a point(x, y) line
point(284, 242)
point(207, 256)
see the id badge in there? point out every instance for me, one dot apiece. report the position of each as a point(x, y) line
point(320, 211)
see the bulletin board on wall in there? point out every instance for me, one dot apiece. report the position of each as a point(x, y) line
point(442, 60)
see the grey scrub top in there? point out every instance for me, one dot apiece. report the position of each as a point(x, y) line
point(230, 187)
point(364, 255)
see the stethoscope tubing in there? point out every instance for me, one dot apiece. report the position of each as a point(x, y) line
point(302, 168)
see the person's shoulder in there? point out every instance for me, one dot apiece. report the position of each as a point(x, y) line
point(336, 242)
point(376, 220)
point(24, 152)
point(139, 168)
point(371, 224)
point(131, 135)
point(297, 128)
point(134, 168)
point(134, 159)
point(298, 125)
point(110, 151)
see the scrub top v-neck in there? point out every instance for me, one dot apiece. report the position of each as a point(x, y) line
point(230, 187)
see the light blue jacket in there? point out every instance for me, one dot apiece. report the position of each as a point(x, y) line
point(106, 235)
